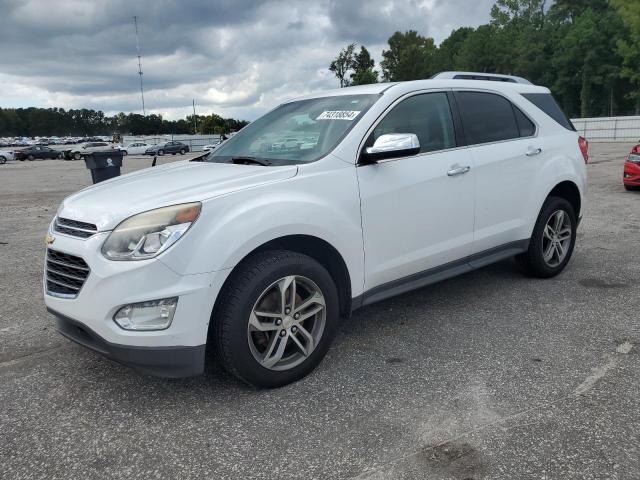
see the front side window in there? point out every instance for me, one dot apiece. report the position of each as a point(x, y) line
point(301, 131)
point(427, 115)
point(487, 117)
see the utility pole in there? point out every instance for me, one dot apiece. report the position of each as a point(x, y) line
point(135, 23)
point(195, 121)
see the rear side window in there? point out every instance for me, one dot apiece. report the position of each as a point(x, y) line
point(546, 103)
point(526, 126)
point(487, 117)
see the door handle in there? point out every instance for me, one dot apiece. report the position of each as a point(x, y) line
point(532, 152)
point(458, 170)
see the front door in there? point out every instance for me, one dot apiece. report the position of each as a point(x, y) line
point(417, 211)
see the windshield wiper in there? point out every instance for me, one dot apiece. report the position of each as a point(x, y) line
point(248, 160)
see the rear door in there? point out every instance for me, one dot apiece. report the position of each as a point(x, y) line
point(506, 153)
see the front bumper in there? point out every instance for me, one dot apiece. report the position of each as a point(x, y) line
point(631, 175)
point(168, 362)
point(88, 318)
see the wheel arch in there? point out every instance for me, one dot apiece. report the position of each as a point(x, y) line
point(318, 249)
point(570, 192)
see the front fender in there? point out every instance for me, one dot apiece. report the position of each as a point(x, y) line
point(322, 203)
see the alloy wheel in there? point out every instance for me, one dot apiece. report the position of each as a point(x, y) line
point(556, 238)
point(286, 323)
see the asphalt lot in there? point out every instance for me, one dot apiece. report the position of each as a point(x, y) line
point(488, 375)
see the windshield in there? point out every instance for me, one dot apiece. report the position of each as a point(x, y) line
point(295, 132)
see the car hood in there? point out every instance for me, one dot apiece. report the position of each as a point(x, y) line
point(108, 203)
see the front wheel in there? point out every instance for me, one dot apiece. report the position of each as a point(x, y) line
point(3, 160)
point(160, 152)
point(631, 188)
point(182, 152)
point(124, 153)
point(553, 239)
point(31, 158)
point(276, 318)
point(77, 156)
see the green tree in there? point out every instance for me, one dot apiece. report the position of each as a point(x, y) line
point(410, 57)
point(341, 65)
point(363, 68)
point(629, 47)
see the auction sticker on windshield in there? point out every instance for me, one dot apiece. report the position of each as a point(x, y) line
point(338, 115)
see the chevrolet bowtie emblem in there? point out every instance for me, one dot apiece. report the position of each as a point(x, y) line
point(49, 239)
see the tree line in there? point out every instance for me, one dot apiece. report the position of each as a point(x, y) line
point(47, 122)
point(586, 51)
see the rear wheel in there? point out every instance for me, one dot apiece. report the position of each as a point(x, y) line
point(553, 239)
point(124, 153)
point(631, 188)
point(3, 160)
point(160, 152)
point(30, 158)
point(182, 152)
point(276, 319)
point(77, 156)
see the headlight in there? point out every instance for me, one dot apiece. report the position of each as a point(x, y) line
point(633, 158)
point(150, 233)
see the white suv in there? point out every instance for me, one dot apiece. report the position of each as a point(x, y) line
point(256, 253)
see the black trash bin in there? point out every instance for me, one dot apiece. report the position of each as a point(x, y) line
point(104, 165)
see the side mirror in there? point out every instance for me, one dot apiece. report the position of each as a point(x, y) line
point(393, 145)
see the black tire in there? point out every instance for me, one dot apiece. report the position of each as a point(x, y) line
point(631, 188)
point(3, 160)
point(77, 156)
point(182, 152)
point(532, 261)
point(231, 315)
point(30, 158)
point(124, 153)
point(160, 152)
point(60, 156)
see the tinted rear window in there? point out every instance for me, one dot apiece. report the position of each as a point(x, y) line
point(526, 126)
point(486, 117)
point(546, 103)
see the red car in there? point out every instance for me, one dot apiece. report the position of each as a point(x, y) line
point(631, 175)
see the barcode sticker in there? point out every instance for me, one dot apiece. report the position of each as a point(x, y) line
point(338, 115)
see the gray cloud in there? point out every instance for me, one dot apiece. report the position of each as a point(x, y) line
point(234, 57)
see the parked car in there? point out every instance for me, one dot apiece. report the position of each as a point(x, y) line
point(631, 173)
point(5, 156)
point(78, 152)
point(36, 151)
point(135, 148)
point(257, 254)
point(167, 147)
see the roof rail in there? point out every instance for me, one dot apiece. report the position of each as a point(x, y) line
point(493, 77)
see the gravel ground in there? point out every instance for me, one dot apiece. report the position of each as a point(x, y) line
point(488, 375)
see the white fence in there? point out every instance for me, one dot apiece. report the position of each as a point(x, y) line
point(609, 129)
point(195, 142)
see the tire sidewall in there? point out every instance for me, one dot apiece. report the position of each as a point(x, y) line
point(238, 351)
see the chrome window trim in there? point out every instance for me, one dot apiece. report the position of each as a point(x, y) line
point(383, 115)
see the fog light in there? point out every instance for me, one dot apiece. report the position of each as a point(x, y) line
point(152, 315)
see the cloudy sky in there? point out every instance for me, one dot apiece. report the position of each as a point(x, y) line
point(237, 58)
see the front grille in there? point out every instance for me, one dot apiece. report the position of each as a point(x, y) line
point(74, 228)
point(65, 274)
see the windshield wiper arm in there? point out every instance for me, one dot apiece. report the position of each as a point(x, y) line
point(247, 160)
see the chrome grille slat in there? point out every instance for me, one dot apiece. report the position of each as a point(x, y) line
point(65, 274)
point(74, 228)
point(63, 264)
point(62, 284)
